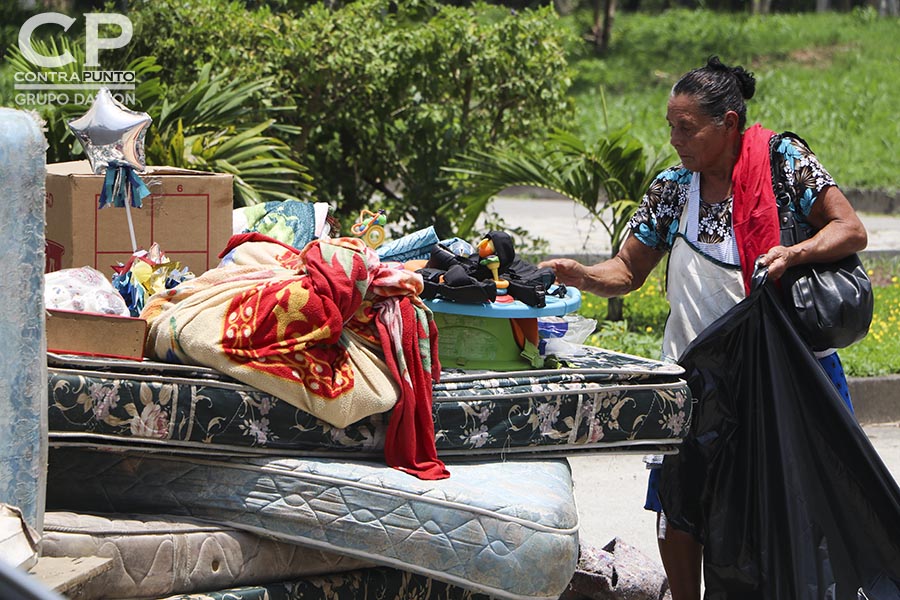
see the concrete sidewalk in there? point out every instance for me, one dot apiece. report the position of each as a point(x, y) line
point(569, 230)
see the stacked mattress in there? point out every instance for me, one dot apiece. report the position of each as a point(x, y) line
point(481, 529)
point(159, 555)
point(375, 583)
point(600, 401)
point(193, 482)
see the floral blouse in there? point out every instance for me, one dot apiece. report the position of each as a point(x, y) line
point(657, 219)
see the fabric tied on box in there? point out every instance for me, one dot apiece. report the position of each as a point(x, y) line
point(122, 185)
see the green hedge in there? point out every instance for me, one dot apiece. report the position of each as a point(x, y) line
point(385, 92)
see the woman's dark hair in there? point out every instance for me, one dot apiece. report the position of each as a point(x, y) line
point(719, 88)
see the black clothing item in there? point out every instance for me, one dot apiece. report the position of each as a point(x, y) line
point(466, 280)
point(776, 478)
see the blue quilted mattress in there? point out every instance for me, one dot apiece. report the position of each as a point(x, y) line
point(600, 401)
point(481, 530)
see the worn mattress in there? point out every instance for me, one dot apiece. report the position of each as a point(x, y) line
point(481, 529)
point(160, 555)
point(379, 583)
point(601, 401)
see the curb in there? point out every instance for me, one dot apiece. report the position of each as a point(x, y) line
point(874, 201)
point(881, 202)
point(875, 399)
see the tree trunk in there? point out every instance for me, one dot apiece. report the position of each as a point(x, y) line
point(601, 30)
point(763, 7)
point(615, 308)
point(822, 6)
point(609, 16)
point(888, 8)
point(596, 29)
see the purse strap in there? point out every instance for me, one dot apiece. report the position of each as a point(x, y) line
point(791, 231)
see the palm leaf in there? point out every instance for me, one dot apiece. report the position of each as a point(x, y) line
point(608, 178)
point(222, 136)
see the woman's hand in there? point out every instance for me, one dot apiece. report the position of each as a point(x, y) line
point(777, 259)
point(840, 233)
point(623, 273)
point(568, 271)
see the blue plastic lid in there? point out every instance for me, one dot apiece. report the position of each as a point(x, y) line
point(556, 307)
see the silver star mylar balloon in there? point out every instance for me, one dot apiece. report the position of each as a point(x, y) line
point(109, 131)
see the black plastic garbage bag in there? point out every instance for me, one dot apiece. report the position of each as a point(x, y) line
point(776, 478)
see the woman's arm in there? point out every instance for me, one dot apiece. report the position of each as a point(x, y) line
point(840, 233)
point(623, 273)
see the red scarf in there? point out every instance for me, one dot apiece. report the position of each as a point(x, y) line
point(754, 211)
point(409, 444)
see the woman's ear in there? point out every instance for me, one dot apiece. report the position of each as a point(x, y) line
point(731, 119)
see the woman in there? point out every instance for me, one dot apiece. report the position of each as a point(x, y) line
point(715, 214)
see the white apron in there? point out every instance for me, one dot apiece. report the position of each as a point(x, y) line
point(700, 289)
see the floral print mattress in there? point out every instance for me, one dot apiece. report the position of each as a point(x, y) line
point(600, 401)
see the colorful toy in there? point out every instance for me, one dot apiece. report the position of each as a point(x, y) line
point(485, 248)
point(370, 227)
point(492, 262)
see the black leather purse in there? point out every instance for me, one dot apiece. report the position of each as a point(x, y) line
point(830, 304)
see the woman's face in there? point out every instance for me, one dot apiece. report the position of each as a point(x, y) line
point(700, 141)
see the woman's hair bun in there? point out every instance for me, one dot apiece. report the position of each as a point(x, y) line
point(745, 79)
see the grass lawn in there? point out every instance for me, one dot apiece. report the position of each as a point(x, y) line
point(831, 77)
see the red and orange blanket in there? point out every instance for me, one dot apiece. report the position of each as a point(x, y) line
point(329, 328)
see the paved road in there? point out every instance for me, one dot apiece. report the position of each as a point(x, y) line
point(569, 230)
point(610, 490)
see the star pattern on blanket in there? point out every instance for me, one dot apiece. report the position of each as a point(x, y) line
point(289, 330)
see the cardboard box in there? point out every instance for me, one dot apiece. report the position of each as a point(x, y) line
point(72, 332)
point(188, 214)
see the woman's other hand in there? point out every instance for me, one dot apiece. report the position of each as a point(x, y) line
point(840, 233)
point(777, 259)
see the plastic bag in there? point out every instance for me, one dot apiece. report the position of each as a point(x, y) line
point(563, 336)
point(776, 478)
point(82, 289)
